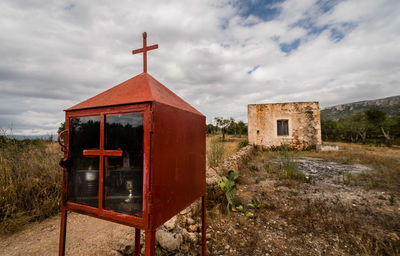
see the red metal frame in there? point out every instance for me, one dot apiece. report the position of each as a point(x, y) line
point(138, 222)
point(173, 154)
point(144, 222)
point(145, 49)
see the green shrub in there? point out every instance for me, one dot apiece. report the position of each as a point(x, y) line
point(228, 186)
point(254, 203)
point(349, 179)
point(289, 166)
point(243, 144)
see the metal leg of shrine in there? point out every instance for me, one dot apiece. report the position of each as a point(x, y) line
point(137, 242)
point(203, 225)
point(150, 243)
point(63, 231)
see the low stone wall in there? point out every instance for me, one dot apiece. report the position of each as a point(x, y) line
point(234, 162)
point(183, 232)
point(327, 147)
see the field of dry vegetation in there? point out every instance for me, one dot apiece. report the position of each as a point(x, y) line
point(218, 150)
point(30, 182)
point(348, 213)
point(284, 209)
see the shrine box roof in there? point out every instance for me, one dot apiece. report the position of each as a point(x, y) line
point(139, 89)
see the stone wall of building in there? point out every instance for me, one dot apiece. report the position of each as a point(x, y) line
point(303, 122)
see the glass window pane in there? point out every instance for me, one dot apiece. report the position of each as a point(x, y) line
point(83, 175)
point(283, 127)
point(123, 186)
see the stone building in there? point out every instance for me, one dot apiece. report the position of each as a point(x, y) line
point(296, 124)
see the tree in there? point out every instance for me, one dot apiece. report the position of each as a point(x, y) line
point(328, 130)
point(378, 120)
point(211, 129)
point(348, 129)
point(396, 128)
point(242, 128)
point(232, 128)
point(362, 126)
point(223, 123)
point(60, 129)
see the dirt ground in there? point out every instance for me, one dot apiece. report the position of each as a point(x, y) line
point(85, 236)
point(325, 211)
point(323, 214)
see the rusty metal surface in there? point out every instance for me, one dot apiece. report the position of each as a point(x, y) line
point(177, 161)
point(174, 150)
point(139, 89)
point(145, 49)
point(100, 212)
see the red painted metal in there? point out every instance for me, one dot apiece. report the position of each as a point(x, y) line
point(137, 242)
point(173, 154)
point(178, 159)
point(149, 243)
point(63, 147)
point(139, 89)
point(63, 231)
point(145, 49)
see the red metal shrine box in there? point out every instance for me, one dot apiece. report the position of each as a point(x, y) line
point(135, 155)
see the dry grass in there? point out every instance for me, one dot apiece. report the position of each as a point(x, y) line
point(230, 145)
point(385, 162)
point(30, 179)
point(30, 182)
point(298, 218)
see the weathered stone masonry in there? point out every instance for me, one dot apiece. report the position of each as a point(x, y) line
point(299, 124)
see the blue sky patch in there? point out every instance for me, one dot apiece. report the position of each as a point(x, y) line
point(69, 7)
point(326, 5)
point(338, 32)
point(288, 47)
point(309, 25)
point(253, 69)
point(264, 10)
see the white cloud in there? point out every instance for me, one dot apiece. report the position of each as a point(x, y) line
point(57, 54)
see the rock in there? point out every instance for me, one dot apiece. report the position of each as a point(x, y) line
point(327, 147)
point(236, 161)
point(168, 241)
point(192, 210)
point(212, 177)
point(125, 247)
point(171, 224)
point(114, 253)
point(192, 228)
point(190, 221)
point(190, 236)
point(185, 248)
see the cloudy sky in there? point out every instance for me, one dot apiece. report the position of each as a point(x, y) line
point(217, 55)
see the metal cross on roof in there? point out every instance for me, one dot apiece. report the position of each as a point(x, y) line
point(145, 49)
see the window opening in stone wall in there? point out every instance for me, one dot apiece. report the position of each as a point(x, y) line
point(283, 127)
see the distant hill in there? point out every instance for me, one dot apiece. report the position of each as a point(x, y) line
point(390, 105)
point(33, 137)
